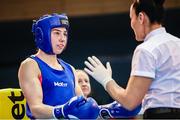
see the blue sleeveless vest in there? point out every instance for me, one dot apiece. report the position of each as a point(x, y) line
point(57, 86)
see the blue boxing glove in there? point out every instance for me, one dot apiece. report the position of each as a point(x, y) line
point(69, 109)
point(115, 110)
point(77, 108)
point(92, 109)
point(89, 110)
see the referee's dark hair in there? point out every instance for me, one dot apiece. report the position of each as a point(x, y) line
point(153, 8)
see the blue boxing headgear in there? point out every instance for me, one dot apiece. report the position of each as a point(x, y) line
point(42, 30)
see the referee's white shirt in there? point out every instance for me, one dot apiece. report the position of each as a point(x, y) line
point(158, 57)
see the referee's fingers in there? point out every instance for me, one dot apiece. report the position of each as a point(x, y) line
point(92, 61)
point(88, 71)
point(88, 65)
point(96, 60)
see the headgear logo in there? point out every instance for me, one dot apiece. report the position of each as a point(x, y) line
point(64, 22)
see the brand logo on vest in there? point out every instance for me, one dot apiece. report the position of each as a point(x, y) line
point(60, 84)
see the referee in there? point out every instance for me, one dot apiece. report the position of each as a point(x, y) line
point(155, 71)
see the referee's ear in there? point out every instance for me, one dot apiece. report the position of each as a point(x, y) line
point(141, 17)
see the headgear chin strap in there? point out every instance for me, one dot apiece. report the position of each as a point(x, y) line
point(42, 30)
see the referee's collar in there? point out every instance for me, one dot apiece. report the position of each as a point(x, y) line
point(155, 32)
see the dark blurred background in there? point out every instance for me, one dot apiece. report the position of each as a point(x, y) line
point(97, 27)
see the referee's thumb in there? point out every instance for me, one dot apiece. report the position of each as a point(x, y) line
point(108, 66)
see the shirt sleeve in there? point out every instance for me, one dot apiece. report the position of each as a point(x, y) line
point(143, 63)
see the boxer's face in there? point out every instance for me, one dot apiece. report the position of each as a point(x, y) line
point(83, 81)
point(58, 39)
